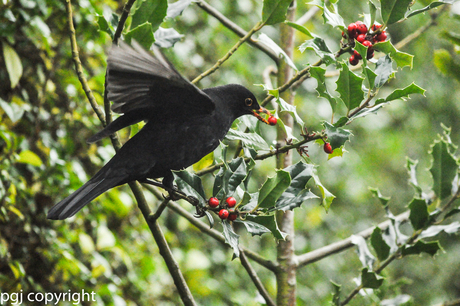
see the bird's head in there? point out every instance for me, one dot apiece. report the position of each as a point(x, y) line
point(241, 101)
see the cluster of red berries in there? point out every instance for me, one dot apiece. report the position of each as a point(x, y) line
point(224, 213)
point(368, 37)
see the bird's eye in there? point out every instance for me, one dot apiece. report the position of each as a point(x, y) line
point(248, 101)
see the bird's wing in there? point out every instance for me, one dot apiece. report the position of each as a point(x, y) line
point(139, 80)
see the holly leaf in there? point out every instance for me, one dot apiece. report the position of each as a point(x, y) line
point(336, 294)
point(432, 5)
point(142, 34)
point(190, 184)
point(393, 10)
point(273, 188)
point(383, 71)
point(151, 11)
point(229, 177)
point(300, 28)
point(402, 93)
point(319, 74)
point(336, 136)
point(176, 8)
point(376, 193)
point(349, 86)
point(371, 279)
point(251, 140)
point(365, 256)
point(367, 111)
point(274, 11)
point(104, 25)
point(378, 243)
point(166, 38)
point(231, 237)
point(434, 230)
point(270, 223)
point(418, 213)
point(254, 228)
point(277, 49)
point(318, 45)
point(326, 196)
point(286, 107)
point(443, 169)
point(411, 166)
point(332, 17)
point(420, 246)
point(401, 59)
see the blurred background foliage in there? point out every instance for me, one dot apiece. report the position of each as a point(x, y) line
point(107, 248)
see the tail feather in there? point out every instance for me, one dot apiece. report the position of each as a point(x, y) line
point(85, 194)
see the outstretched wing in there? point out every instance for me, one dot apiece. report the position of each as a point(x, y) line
point(139, 80)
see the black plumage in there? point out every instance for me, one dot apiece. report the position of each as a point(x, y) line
point(184, 123)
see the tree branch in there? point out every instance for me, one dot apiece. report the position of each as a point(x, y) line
point(122, 21)
point(78, 66)
point(248, 35)
point(236, 29)
point(255, 279)
point(337, 247)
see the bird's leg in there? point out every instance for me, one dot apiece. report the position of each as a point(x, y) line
point(168, 180)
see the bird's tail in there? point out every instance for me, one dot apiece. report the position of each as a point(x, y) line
point(85, 194)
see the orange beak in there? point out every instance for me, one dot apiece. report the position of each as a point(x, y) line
point(261, 110)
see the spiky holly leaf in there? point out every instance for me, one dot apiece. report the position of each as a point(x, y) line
point(326, 196)
point(291, 109)
point(318, 45)
point(229, 178)
point(393, 10)
point(411, 166)
point(376, 193)
point(319, 74)
point(274, 11)
point(251, 140)
point(378, 243)
point(383, 70)
point(336, 136)
point(336, 294)
point(191, 185)
point(273, 188)
point(231, 237)
point(254, 228)
point(443, 169)
point(277, 49)
point(420, 246)
point(332, 17)
point(349, 86)
point(365, 256)
point(432, 5)
point(142, 34)
point(432, 231)
point(176, 8)
point(402, 59)
point(152, 11)
point(418, 213)
point(268, 221)
point(370, 279)
point(300, 28)
point(402, 93)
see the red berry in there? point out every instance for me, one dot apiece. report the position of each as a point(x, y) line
point(361, 38)
point(231, 201)
point(352, 30)
point(353, 60)
point(361, 28)
point(223, 214)
point(356, 54)
point(367, 43)
point(327, 148)
point(375, 27)
point(381, 37)
point(232, 217)
point(272, 120)
point(213, 202)
point(370, 54)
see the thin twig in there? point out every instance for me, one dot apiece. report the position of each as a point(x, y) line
point(236, 29)
point(255, 279)
point(337, 247)
point(410, 241)
point(216, 66)
point(283, 149)
point(78, 66)
point(121, 22)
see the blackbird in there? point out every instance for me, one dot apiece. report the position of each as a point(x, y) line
point(183, 123)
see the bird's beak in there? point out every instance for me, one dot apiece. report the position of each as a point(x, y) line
point(261, 110)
